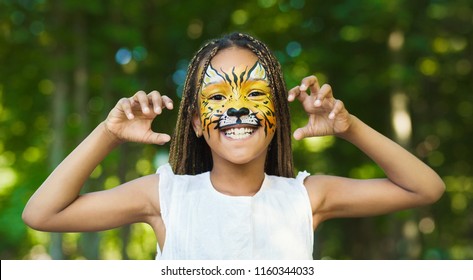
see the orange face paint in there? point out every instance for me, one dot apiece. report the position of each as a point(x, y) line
point(241, 97)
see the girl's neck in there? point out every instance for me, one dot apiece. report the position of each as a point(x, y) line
point(237, 179)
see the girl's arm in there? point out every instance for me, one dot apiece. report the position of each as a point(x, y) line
point(409, 181)
point(57, 205)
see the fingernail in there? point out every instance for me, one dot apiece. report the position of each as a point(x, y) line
point(130, 116)
point(317, 102)
point(146, 110)
point(331, 116)
point(303, 87)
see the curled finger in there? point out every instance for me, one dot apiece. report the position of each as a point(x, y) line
point(142, 99)
point(293, 93)
point(337, 108)
point(310, 82)
point(156, 100)
point(324, 92)
point(125, 104)
point(168, 103)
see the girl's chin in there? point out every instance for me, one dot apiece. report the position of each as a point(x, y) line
point(241, 156)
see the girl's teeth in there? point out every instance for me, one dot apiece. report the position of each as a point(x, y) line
point(239, 133)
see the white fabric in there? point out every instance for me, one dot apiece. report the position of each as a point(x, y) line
point(202, 223)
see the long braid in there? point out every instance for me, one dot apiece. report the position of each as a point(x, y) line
point(191, 155)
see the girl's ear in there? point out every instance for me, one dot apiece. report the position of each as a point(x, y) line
point(197, 125)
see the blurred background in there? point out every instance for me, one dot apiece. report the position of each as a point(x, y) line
point(404, 67)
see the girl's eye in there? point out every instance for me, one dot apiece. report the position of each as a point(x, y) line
point(217, 97)
point(255, 94)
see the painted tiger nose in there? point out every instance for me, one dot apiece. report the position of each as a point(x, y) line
point(238, 113)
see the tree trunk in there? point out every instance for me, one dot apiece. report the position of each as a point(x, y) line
point(405, 237)
point(59, 105)
point(89, 241)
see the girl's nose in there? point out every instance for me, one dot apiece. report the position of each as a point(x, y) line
point(238, 113)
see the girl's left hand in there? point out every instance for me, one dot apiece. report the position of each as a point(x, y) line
point(327, 115)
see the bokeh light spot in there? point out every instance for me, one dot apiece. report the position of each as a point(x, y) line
point(366, 171)
point(437, 11)
point(428, 66)
point(297, 4)
point(459, 203)
point(111, 182)
point(131, 67)
point(123, 56)
point(410, 230)
point(426, 225)
point(194, 29)
point(36, 27)
point(179, 77)
point(266, 3)
point(143, 167)
point(239, 17)
point(8, 178)
point(301, 69)
point(32, 154)
point(396, 40)
point(46, 87)
point(318, 144)
point(17, 17)
point(458, 44)
point(7, 158)
point(140, 53)
point(97, 172)
point(351, 33)
point(440, 45)
point(160, 158)
point(293, 49)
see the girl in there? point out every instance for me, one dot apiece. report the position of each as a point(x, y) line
point(229, 191)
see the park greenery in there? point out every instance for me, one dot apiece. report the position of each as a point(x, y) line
point(404, 67)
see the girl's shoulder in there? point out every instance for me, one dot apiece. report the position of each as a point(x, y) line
point(168, 181)
point(165, 170)
point(298, 180)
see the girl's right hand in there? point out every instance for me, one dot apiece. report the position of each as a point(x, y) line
point(131, 118)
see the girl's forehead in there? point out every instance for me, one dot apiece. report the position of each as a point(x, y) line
point(233, 58)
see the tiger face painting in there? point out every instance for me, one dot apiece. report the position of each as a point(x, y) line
point(237, 102)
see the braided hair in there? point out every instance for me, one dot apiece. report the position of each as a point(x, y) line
point(190, 154)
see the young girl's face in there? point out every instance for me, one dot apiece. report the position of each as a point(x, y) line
point(236, 111)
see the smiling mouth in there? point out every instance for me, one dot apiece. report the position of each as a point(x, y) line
point(239, 133)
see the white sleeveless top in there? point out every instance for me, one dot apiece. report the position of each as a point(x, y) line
point(202, 223)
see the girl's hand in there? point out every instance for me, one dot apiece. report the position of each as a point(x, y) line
point(130, 120)
point(327, 115)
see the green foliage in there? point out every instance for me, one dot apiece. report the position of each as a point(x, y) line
point(367, 50)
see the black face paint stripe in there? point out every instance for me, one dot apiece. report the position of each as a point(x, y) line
point(251, 71)
point(235, 78)
point(242, 77)
point(229, 80)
